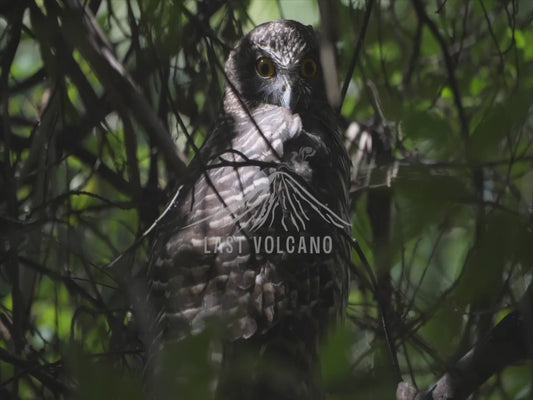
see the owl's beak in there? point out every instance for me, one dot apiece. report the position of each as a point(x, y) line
point(286, 97)
point(286, 92)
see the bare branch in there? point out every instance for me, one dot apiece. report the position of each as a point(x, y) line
point(357, 50)
point(83, 32)
point(507, 343)
point(450, 67)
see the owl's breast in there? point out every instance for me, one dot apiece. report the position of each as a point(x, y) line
point(261, 135)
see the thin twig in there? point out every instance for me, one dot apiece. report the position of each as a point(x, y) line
point(449, 63)
point(81, 28)
point(355, 57)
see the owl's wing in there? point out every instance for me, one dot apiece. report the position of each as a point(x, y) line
point(203, 263)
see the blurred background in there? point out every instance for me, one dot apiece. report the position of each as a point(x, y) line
point(103, 101)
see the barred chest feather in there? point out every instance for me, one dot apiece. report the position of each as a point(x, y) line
point(260, 234)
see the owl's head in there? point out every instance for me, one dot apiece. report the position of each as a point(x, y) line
point(277, 63)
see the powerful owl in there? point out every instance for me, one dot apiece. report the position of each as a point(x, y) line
point(258, 240)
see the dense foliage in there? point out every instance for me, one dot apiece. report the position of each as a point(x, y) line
point(102, 104)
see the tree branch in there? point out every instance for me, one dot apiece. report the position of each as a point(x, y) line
point(507, 343)
point(449, 63)
point(355, 57)
point(84, 33)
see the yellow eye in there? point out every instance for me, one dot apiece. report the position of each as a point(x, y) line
point(265, 67)
point(309, 68)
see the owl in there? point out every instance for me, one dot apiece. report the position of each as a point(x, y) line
point(258, 240)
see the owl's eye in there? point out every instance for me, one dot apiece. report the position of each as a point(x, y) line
point(309, 68)
point(265, 67)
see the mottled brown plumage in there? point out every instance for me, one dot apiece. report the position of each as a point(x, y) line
point(259, 238)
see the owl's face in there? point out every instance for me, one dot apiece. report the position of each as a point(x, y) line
point(278, 63)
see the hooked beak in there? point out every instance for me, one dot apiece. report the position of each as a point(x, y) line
point(286, 95)
point(286, 98)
